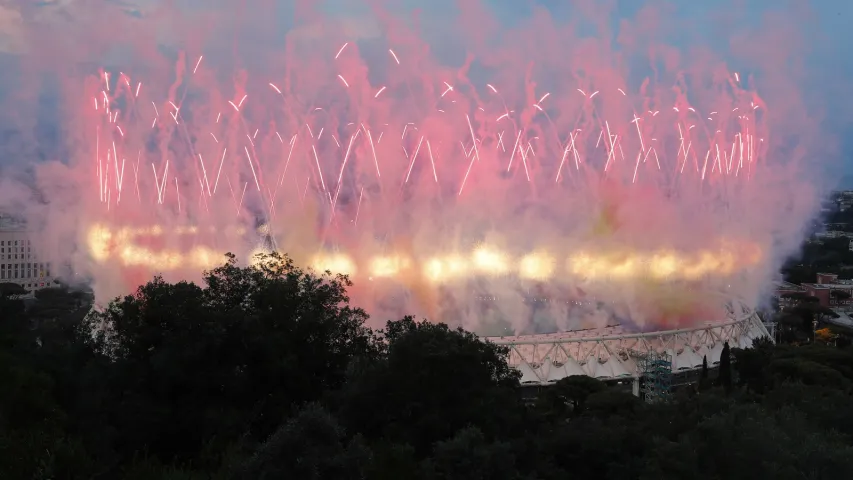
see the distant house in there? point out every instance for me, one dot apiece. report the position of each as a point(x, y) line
point(830, 291)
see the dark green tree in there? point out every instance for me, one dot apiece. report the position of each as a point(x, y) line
point(751, 364)
point(703, 375)
point(267, 372)
point(612, 403)
point(36, 438)
point(808, 313)
point(310, 446)
point(806, 371)
point(60, 303)
point(724, 376)
point(431, 382)
point(725, 446)
point(469, 456)
point(568, 395)
point(192, 365)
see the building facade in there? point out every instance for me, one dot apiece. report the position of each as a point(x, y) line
point(21, 260)
point(830, 291)
point(785, 293)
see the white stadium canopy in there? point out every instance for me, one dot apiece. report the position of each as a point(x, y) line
point(612, 353)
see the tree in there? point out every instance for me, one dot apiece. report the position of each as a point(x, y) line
point(837, 245)
point(8, 289)
point(569, 395)
point(824, 335)
point(806, 371)
point(431, 382)
point(808, 313)
point(726, 446)
point(13, 321)
point(266, 372)
point(610, 403)
point(839, 294)
point(836, 359)
point(191, 365)
point(751, 364)
point(60, 304)
point(703, 375)
point(724, 377)
point(35, 438)
point(469, 456)
point(310, 446)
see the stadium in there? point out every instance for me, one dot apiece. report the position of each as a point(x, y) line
point(613, 354)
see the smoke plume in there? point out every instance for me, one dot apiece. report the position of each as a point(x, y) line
point(533, 169)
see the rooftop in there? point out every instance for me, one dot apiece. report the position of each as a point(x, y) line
point(11, 223)
point(840, 286)
point(782, 285)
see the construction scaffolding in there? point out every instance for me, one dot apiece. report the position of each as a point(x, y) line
point(656, 376)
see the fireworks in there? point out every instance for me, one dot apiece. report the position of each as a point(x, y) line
point(483, 261)
point(558, 176)
point(672, 146)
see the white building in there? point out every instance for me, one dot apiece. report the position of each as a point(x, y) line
point(21, 261)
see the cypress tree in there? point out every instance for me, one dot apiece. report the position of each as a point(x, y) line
point(725, 375)
point(703, 376)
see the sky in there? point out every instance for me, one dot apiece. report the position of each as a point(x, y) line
point(817, 33)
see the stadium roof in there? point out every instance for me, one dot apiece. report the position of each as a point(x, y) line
point(611, 353)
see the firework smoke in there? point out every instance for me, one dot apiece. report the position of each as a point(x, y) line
point(534, 176)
